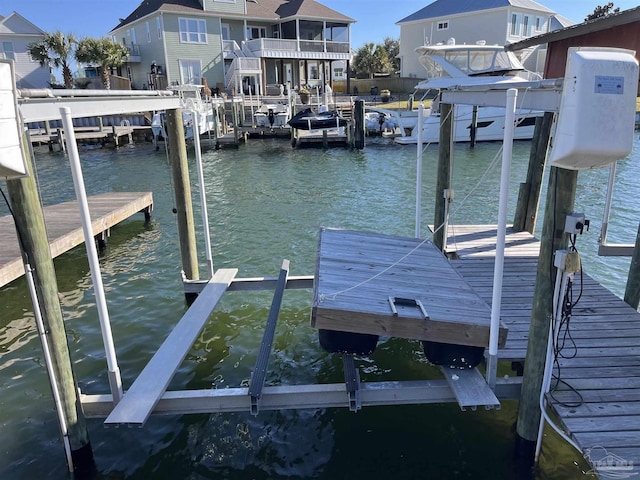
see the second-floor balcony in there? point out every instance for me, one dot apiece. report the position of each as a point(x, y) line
point(134, 53)
point(311, 49)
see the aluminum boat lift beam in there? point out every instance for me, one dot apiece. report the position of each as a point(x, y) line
point(44, 104)
point(541, 95)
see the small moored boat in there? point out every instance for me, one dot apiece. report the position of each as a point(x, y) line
point(308, 120)
point(272, 115)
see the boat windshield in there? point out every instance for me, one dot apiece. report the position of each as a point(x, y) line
point(468, 62)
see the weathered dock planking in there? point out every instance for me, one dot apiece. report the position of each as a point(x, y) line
point(605, 371)
point(359, 273)
point(85, 134)
point(64, 228)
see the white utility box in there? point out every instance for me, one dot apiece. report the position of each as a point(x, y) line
point(12, 160)
point(597, 108)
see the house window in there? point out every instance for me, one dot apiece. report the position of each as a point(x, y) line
point(540, 24)
point(8, 51)
point(133, 35)
point(256, 32)
point(443, 25)
point(159, 27)
point(190, 72)
point(148, 28)
point(226, 31)
point(527, 26)
point(192, 30)
point(515, 25)
point(338, 73)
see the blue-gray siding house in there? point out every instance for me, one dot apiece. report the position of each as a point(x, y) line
point(497, 22)
point(236, 45)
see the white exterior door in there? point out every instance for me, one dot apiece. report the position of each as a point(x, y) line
point(190, 72)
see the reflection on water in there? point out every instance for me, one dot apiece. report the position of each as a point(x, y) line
point(266, 202)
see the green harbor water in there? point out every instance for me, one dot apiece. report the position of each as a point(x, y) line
point(266, 202)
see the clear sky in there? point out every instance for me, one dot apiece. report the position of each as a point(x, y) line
point(375, 18)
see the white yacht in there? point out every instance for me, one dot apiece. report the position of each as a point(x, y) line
point(464, 65)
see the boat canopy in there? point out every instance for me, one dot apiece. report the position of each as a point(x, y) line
point(467, 60)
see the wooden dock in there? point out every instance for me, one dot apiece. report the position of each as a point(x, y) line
point(361, 278)
point(605, 421)
point(85, 134)
point(64, 227)
point(320, 138)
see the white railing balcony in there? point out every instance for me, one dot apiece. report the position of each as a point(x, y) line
point(134, 53)
point(285, 47)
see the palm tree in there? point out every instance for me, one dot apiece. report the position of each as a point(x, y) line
point(370, 59)
point(54, 50)
point(102, 52)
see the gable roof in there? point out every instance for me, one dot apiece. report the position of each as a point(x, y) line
point(270, 10)
point(444, 8)
point(558, 22)
point(595, 25)
point(16, 24)
point(148, 7)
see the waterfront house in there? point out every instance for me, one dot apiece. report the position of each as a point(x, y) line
point(234, 45)
point(497, 22)
point(617, 30)
point(16, 33)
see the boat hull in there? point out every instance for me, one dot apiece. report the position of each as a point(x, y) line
point(490, 126)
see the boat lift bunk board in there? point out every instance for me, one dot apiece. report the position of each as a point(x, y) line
point(374, 284)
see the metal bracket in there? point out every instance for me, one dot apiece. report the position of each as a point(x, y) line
point(260, 371)
point(352, 382)
point(407, 302)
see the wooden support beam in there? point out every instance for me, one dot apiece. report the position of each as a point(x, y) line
point(30, 225)
point(529, 194)
point(182, 187)
point(358, 118)
point(139, 401)
point(443, 182)
point(561, 194)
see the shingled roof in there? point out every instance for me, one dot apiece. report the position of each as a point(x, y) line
point(270, 10)
point(444, 8)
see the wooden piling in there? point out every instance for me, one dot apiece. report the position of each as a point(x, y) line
point(529, 194)
point(184, 207)
point(632, 291)
point(560, 199)
point(358, 118)
point(443, 182)
point(29, 218)
point(61, 140)
point(474, 126)
point(234, 117)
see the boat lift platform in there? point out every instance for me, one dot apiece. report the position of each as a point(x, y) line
point(467, 387)
point(364, 281)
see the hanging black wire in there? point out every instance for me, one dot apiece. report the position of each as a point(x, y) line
point(564, 338)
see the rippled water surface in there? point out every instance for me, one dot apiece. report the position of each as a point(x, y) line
point(266, 202)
